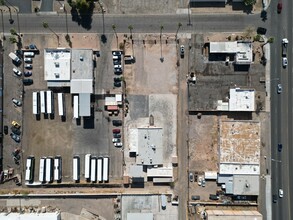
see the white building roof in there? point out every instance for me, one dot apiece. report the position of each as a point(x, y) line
point(81, 86)
point(150, 146)
point(57, 64)
point(160, 172)
point(223, 47)
point(242, 100)
point(82, 64)
point(110, 100)
point(246, 185)
point(30, 216)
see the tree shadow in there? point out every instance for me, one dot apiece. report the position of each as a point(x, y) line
point(83, 16)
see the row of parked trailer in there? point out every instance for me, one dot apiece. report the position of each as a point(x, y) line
point(96, 169)
point(43, 102)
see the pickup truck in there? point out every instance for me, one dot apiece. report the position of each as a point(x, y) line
point(14, 57)
point(284, 47)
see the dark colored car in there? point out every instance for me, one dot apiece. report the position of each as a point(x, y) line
point(279, 7)
point(195, 197)
point(27, 82)
point(117, 62)
point(15, 137)
point(118, 71)
point(261, 30)
point(27, 73)
point(116, 135)
point(117, 84)
point(5, 129)
point(116, 131)
point(213, 197)
point(15, 130)
point(280, 146)
point(117, 79)
point(117, 122)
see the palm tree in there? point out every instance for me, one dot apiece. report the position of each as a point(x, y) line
point(114, 29)
point(161, 29)
point(179, 26)
point(130, 27)
point(46, 26)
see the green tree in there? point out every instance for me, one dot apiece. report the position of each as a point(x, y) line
point(12, 40)
point(249, 2)
point(13, 32)
point(114, 29)
point(161, 29)
point(46, 26)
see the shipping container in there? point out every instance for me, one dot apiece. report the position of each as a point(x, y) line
point(76, 168)
point(106, 169)
point(36, 103)
point(93, 169)
point(87, 166)
point(61, 105)
point(100, 169)
point(49, 169)
point(42, 169)
point(29, 172)
point(43, 101)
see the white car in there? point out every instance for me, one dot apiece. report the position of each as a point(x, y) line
point(281, 193)
point(117, 66)
point(119, 144)
point(116, 53)
point(28, 60)
point(29, 54)
point(17, 72)
point(284, 62)
point(115, 140)
point(17, 102)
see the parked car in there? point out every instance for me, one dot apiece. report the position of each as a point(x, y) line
point(27, 73)
point(28, 66)
point(114, 140)
point(117, 79)
point(191, 177)
point(5, 129)
point(116, 135)
point(261, 30)
point(15, 124)
point(15, 130)
point(281, 193)
point(182, 50)
point(28, 60)
point(118, 144)
point(213, 197)
point(29, 54)
point(117, 122)
point(280, 146)
point(117, 57)
point(117, 84)
point(17, 102)
point(279, 88)
point(15, 137)
point(195, 197)
point(17, 72)
point(32, 47)
point(118, 71)
point(203, 183)
point(116, 53)
point(117, 66)
point(27, 82)
point(116, 131)
point(117, 62)
point(279, 7)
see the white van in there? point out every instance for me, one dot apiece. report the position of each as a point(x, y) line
point(29, 54)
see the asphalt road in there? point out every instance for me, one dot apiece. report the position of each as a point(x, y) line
point(281, 111)
point(32, 23)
